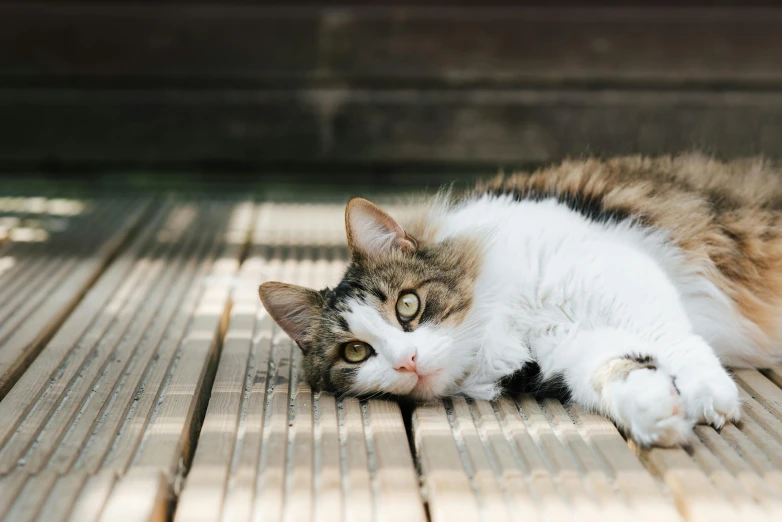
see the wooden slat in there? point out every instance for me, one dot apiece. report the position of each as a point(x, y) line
point(695, 495)
point(754, 456)
point(168, 437)
point(19, 348)
point(612, 506)
point(553, 505)
point(491, 490)
point(10, 486)
point(404, 127)
point(633, 480)
point(299, 492)
point(724, 480)
point(31, 498)
point(521, 498)
point(152, 311)
point(37, 380)
point(394, 43)
point(90, 503)
point(62, 497)
point(762, 390)
point(398, 496)
point(448, 488)
point(140, 496)
point(358, 493)
point(123, 426)
point(567, 475)
point(331, 504)
point(749, 478)
point(202, 499)
point(125, 314)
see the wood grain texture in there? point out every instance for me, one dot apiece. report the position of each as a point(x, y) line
point(390, 44)
point(479, 127)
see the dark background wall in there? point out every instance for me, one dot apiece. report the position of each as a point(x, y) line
point(346, 88)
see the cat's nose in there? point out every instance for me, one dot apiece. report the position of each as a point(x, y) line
point(407, 364)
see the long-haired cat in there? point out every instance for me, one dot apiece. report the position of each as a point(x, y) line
point(627, 282)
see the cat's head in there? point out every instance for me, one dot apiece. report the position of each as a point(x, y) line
point(395, 323)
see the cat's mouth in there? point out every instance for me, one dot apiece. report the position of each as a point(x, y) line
point(425, 383)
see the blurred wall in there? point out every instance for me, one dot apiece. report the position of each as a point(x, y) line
point(340, 86)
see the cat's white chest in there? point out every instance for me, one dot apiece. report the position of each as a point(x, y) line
point(548, 270)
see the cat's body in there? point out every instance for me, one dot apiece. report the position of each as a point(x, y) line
point(623, 281)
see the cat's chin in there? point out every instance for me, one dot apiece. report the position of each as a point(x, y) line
point(428, 387)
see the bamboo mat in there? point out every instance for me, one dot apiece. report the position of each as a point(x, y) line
point(168, 393)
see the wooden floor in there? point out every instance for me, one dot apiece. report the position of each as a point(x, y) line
point(142, 380)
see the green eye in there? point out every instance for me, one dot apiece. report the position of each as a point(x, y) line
point(407, 306)
point(356, 351)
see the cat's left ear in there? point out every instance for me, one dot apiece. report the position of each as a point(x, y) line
point(292, 307)
point(372, 232)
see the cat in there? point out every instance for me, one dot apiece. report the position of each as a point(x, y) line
point(627, 283)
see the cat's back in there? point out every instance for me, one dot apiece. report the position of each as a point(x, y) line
point(725, 216)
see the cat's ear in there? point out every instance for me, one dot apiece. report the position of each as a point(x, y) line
point(292, 307)
point(371, 231)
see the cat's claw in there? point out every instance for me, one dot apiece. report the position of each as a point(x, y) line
point(710, 395)
point(649, 407)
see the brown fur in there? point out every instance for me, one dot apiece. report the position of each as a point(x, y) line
point(726, 216)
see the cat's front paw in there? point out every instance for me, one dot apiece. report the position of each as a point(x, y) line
point(648, 406)
point(710, 395)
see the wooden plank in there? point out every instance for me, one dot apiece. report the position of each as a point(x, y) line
point(389, 44)
point(754, 456)
point(270, 485)
point(329, 494)
point(240, 496)
point(612, 505)
point(90, 503)
point(152, 309)
point(491, 490)
point(398, 493)
point(64, 405)
point(124, 425)
point(553, 503)
point(299, 491)
point(28, 339)
point(38, 379)
point(10, 486)
point(404, 127)
point(139, 496)
point(521, 499)
point(633, 480)
point(358, 492)
point(755, 411)
point(726, 482)
point(566, 473)
point(694, 494)
point(450, 494)
point(31, 498)
point(761, 492)
point(202, 497)
point(168, 437)
point(761, 389)
point(62, 497)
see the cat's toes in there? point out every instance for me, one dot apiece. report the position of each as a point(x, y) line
point(710, 395)
point(650, 408)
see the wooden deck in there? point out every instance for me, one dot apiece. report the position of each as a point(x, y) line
point(141, 379)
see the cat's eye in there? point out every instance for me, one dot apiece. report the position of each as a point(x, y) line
point(407, 306)
point(356, 351)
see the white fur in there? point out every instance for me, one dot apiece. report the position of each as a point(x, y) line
point(573, 295)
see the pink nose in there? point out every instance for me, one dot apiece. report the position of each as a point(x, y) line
point(406, 365)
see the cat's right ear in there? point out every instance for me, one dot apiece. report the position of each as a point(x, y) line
point(292, 307)
point(373, 232)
